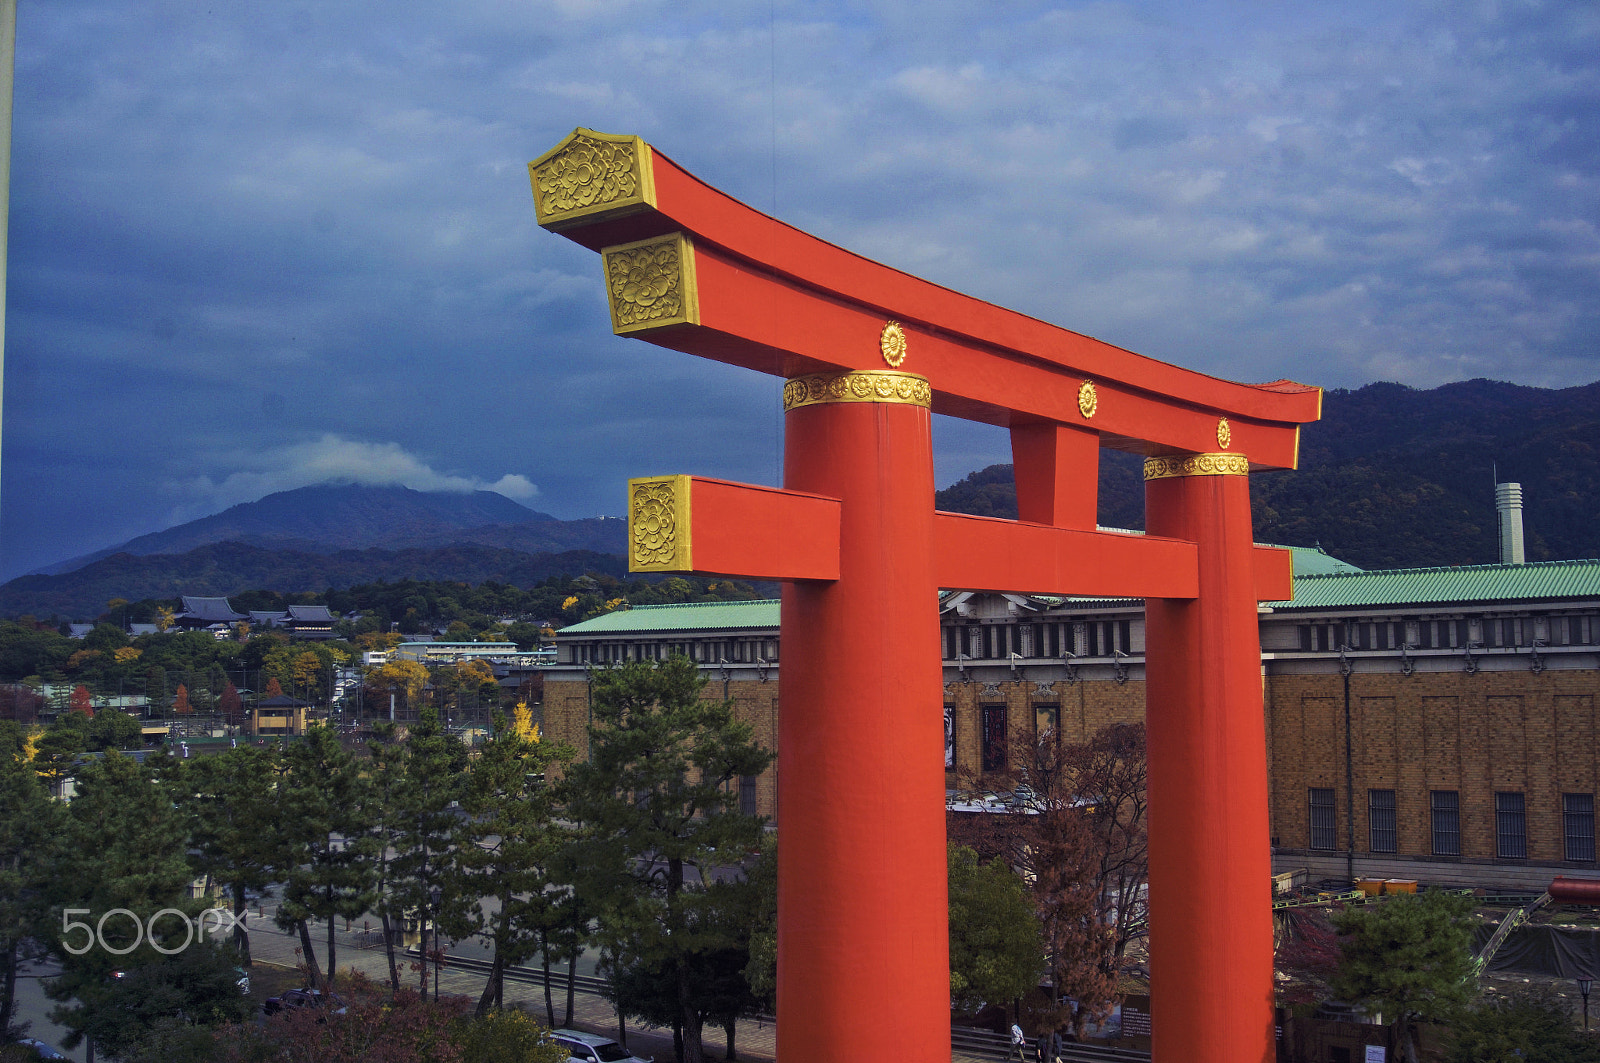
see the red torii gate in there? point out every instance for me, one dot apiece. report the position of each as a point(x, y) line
point(867, 352)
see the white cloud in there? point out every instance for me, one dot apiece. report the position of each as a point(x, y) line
point(333, 459)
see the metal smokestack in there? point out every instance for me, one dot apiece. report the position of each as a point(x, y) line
point(1508, 501)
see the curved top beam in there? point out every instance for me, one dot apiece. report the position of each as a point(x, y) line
point(765, 295)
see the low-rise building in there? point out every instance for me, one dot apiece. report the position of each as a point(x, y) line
point(1432, 724)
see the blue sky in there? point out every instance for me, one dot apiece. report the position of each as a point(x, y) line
point(258, 246)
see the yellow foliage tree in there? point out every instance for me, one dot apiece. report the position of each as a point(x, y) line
point(165, 618)
point(406, 677)
point(126, 654)
point(522, 722)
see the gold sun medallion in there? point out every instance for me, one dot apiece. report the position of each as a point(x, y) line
point(892, 342)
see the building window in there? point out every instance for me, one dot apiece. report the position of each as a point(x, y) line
point(747, 794)
point(994, 738)
point(1322, 829)
point(1510, 826)
point(1577, 823)
point(1380, 820)
point(1446, 806)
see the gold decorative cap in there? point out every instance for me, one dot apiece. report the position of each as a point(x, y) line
point(658, 524)
point(589, 176)
point(651, 283)
point(865, 385)
point(1196, 465)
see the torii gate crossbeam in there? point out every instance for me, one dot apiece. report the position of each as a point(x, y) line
point(868, 353)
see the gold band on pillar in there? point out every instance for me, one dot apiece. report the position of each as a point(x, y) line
point(1164, 468)
point(866, 385)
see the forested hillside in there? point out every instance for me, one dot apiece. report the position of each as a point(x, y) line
point(1392, 477)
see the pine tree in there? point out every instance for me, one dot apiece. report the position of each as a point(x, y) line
point(325, 815)
point(421, 867)
point(123, 848)
point(30, 825)
point(507, 842)
point(231, 803)
point(656, 802)
point(1411, 956)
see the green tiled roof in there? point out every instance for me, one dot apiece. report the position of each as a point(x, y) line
point(1311, 561)
point(690, 616)
point(1469, 583)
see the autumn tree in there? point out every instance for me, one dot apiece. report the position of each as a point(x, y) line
point(231, 705)
point(1076, 831)
point(81, 701)
point(274, 688)
point(180, 701)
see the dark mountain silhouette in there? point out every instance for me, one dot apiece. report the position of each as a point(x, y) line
point(1394, 477)
point(228, 568)
point(330, 517)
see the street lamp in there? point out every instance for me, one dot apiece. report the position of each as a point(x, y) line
point(1584, 985)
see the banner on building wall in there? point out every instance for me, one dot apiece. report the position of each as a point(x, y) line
point(949, 737)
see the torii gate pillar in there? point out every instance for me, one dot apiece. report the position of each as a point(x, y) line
point(861, 797)
point(1207, 770)
point(862, 907)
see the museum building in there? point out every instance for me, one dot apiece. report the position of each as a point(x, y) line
point(1434, 724)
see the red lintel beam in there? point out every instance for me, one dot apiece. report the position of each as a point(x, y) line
point(773, 298)
point(694, 524)
point(1274, 574)
point(992, 554)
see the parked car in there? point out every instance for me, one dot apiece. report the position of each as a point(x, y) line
point(302, 998)
point(593, 1048)
point(40, 1049)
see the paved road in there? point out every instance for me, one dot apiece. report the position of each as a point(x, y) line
point(755, 1041)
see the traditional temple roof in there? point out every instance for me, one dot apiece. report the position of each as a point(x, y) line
point(310, 614)
point(208, 611)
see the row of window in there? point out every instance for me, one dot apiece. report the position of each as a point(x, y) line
point(1099, 638)
point(1444, 806)
point(734, 651)
point(1452, 634)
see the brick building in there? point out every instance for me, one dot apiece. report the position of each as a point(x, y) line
point(1471, 753)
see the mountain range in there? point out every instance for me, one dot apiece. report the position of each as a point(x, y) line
point(1391, 477)
point(1394, 477)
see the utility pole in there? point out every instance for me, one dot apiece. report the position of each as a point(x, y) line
point(8, 64)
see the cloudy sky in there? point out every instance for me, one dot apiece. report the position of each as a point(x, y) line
point(257, 246)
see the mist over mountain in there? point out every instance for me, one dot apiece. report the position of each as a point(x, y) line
point(1394, 477)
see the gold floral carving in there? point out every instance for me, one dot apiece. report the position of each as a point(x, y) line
point(651, 283)
point(864, 385)
point(892, 342)
point(658, 524)
point(1088, 398)
point(1196, 465)
point(1224, 433)
point(590, 175)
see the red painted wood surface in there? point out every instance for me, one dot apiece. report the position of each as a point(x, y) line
point(987, 553)
point(863, 945)
point(1211, 989)
point(762, 532)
